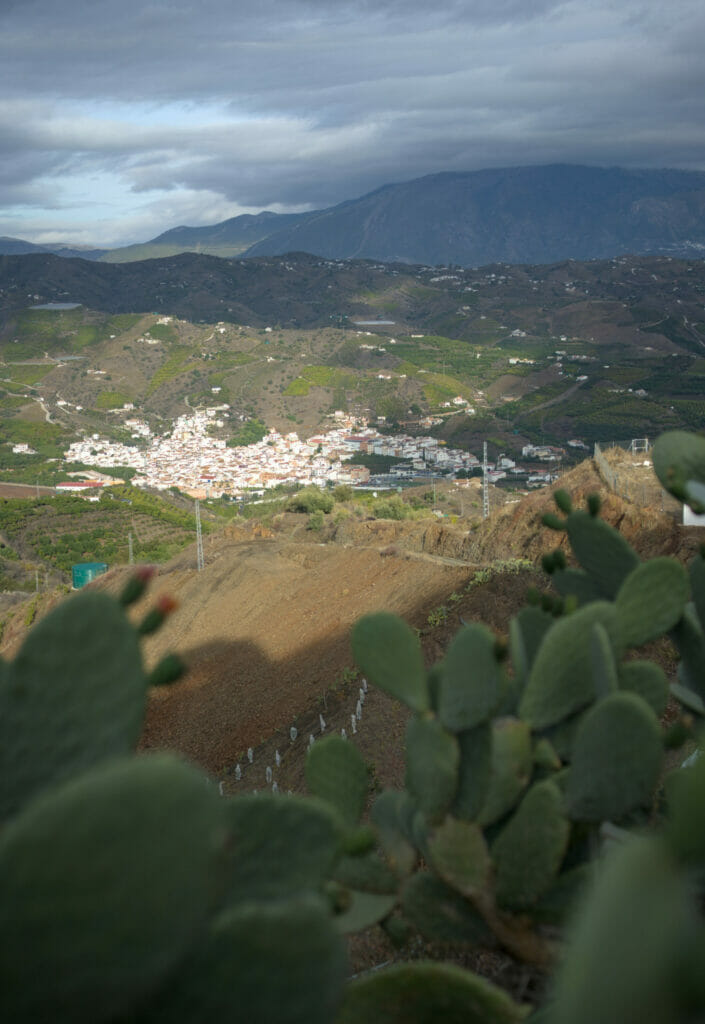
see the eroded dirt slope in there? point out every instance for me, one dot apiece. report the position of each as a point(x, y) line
point(265, 628)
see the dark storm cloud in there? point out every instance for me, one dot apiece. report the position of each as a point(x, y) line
point(308, 102)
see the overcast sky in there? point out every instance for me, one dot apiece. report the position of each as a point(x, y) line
point(122, 118)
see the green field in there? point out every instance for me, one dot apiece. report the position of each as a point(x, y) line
point(32, 333)
point(176, 363)
point(62, 530)
point(112, 400)
point(24, 373)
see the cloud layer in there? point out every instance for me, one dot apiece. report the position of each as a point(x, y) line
point(122, 118)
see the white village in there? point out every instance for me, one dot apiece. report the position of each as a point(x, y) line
point(188, 457)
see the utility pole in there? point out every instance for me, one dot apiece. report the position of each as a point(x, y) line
point(131, 557)
point(485, 483)
point(199, 538)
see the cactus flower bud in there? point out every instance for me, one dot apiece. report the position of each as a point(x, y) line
point(136, 585)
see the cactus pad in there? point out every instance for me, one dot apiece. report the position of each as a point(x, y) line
point(526, 632)
point(689, 638)
point(601, 550)
point(276, 847)
point(604, 667)
point(545, 755)
point(685, 832)
point(425, 992)
point(563, 500)
point(366, 872)
point(578, 583)
point(74, 696)
point(678, 458)
point(470, 684)
point(364, 910)
point(558, 903)
point(459, 854)
point(528, 852)
point(511, 768)
point(432, 757)
point(617, 759)
point(697, 586)
point(87, 892)
point(336, 772)
point(389, 818)
point(440, 913)
point(651, 601)
point(648, 680)
point(388, 652)
point(474, 771)
point(260, 963)
point(561, 680)
point(562, 736)
point(625, 958)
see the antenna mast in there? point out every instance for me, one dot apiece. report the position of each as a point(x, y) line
point(485, 483)
point(199, 537)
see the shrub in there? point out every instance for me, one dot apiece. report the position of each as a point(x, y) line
point(343, 492)
point(311, 499)
point(315, 521)
point(392, 508)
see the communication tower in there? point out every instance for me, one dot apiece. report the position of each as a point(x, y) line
point(485, 483)
point(199, 538)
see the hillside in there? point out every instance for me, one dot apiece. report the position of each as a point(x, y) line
point(509, 215)
point(227, 239)
point(599, 350)
point(265, 627)
point(19, 247)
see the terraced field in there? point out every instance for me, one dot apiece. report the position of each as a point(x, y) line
point(59, 531)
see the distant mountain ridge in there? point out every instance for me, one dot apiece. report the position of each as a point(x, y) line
point(235, 231)
point(511, 215)
point(229, 238)
point(530, 215)
point(20, 247)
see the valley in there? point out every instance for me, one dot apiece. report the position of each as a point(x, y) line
point(526, 359)
point(509, 340)
point(150, 409)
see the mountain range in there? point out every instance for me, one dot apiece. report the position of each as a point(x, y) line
point(510, 215)
point(20, 247)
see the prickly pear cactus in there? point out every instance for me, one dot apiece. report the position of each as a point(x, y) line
point(679, 463)
point(85, 886)
point(516, 770)
point(130, 890)
point(74, 696)
point(143, 896)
